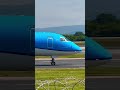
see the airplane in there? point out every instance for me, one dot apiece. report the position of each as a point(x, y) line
point(53, 44)
point(17, 42)
point(15, 38)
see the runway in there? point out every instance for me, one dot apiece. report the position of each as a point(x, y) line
point(61, 63)
point(17, 83)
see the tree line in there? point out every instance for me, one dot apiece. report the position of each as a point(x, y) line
point(78, 36)
point(106, 25)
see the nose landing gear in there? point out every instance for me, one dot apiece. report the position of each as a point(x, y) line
point(53, 62)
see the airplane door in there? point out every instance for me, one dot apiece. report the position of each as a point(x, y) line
point(50, 42)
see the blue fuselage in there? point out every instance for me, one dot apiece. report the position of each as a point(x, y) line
point(55, 42)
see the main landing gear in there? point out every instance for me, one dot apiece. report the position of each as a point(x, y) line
point(53, 62)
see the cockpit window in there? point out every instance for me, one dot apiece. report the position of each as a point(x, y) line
point(62, 39)
point(67, 39)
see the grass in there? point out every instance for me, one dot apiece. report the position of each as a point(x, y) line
point(80, 43)
point(81, 55)
point(74, 56)
point(61, 75)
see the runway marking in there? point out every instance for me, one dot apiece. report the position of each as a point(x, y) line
point(59, 58)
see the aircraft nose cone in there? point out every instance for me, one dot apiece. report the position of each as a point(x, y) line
point(77, 48)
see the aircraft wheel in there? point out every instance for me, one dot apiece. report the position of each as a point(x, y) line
point(52, 63)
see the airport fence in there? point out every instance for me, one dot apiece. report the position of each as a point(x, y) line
point(61, 84)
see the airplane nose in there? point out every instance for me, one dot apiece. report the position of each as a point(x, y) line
point(76, 48)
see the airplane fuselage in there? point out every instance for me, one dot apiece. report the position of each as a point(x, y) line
point(52, 44)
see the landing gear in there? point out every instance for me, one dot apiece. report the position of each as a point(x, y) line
point(53, 61)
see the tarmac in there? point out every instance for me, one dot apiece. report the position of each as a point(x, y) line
point(60, 63)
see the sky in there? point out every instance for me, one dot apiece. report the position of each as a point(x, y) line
point(55, 13)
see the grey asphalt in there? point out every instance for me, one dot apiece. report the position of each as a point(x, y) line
point(62, 63)
point(17, 83)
